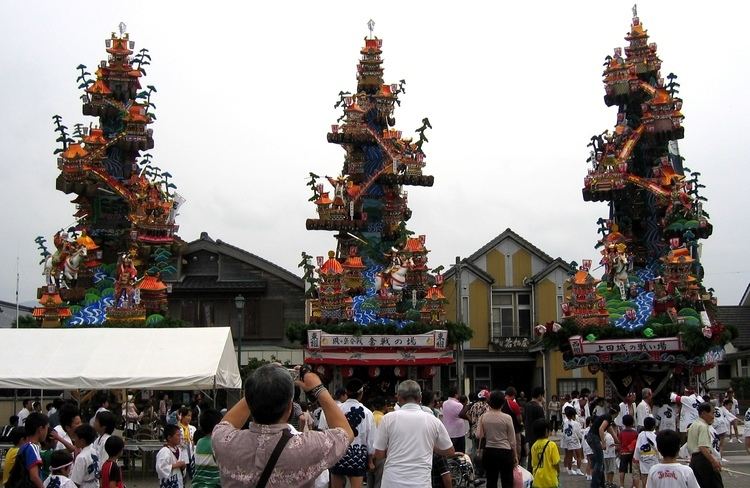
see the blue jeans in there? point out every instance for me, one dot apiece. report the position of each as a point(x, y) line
point(597, 460)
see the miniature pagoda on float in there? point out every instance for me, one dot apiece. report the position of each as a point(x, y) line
point(650, 322)
point(107, 267)
point(373, 301)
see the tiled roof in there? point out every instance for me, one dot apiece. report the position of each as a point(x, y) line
point(212, 283)
point(740, 318)
point(219, 246)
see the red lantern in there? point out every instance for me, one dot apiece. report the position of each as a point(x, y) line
point(347, 371)
point(399, 371)
point(373, 371)
point(429, 371)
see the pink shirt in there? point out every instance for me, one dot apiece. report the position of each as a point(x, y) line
point(453, 424)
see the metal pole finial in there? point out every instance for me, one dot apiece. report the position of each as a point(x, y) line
point(122, 28)
point(371, 26)
point(635, 10)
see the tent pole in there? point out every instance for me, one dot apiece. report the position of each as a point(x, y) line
point(214, 392)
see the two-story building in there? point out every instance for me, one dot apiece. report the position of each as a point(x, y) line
point(502, 291)
point(221, 285)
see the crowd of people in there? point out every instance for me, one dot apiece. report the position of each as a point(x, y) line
point(58, 449)
point(638, 438)
point(270, 438)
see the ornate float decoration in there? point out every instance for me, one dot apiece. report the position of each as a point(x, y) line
point(377, 280)
point(649, 321)
point(108, 266)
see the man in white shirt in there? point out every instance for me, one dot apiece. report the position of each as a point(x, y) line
point(735, 410)
point(627, 407)
point(666, 416)
point(688, 408)
point(24, 412)
point(643, 409)
point(103, 403)
point(407, 439)
point(572, 403)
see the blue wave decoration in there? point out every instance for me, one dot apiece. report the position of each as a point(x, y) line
point(644, 301)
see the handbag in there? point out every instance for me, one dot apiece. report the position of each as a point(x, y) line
point(266, 474)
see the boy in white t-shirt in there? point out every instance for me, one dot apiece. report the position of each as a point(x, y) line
point(60, 464)
point(104, 425)
point(646, 456)
point(610, 457)
point(746, 429)
point(571, 441)
point(85, 471)
point(669, 473)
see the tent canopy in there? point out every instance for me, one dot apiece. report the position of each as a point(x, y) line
point(110, 358)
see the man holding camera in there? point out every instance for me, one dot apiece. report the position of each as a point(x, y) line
point(267, 454)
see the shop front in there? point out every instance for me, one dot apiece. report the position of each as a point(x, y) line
point(380, 361)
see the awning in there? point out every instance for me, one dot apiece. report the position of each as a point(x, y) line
point(111, 358)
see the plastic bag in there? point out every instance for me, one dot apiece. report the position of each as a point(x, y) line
point(521, 478)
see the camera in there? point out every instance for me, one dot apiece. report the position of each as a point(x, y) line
point(298, 372)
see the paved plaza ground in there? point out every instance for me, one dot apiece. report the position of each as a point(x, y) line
point(735, 454)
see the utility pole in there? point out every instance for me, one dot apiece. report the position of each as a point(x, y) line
point(459, 318)
point(239, 303)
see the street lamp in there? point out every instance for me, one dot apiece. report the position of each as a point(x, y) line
point(239, 302)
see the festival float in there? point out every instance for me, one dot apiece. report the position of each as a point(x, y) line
point(649, 321)
point(375, 309)
point(108, 266)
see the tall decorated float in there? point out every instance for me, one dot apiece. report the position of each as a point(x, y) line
point(649, 321)
point(375, 309)
point(108, 266)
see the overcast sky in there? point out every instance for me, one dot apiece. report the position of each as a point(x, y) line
point(246, 93)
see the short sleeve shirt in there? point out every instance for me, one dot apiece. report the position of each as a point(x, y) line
point(410, 436)
point(671, 475)
point(29, 454)
point(666, 417)
point(698, 436)
point(85, 472)
point(242, 454)
point(545, 475)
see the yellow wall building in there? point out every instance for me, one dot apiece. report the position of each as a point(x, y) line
point(506, 288)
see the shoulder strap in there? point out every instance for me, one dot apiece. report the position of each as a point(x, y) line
point(541, 458)
point(266, 474)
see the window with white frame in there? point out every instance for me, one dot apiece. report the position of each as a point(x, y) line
point(567, 386)
point(511, 315)
point(743, 368)
point(559, 307)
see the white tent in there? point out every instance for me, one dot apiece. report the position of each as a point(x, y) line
point(110, 358)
